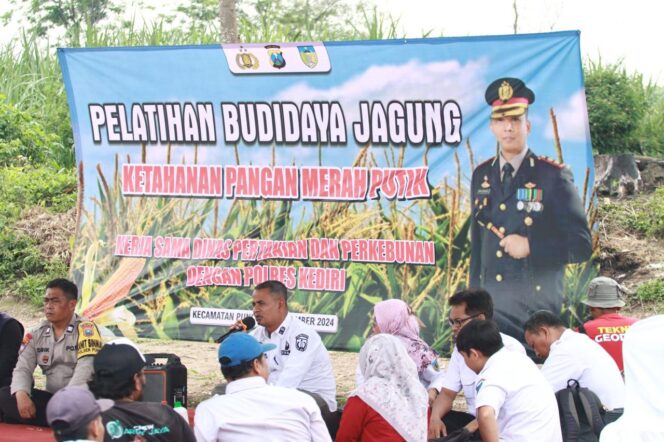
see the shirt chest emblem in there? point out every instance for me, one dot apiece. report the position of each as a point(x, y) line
point(301, 342)
point(286, 349)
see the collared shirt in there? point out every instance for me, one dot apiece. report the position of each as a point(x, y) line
point(515, 161)
point(300, 360)
point(58, 358)
point(251, 410)
point(576, 356)
point(525, 406)
point(459, 377)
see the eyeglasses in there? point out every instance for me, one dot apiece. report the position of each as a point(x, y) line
point(459, 322)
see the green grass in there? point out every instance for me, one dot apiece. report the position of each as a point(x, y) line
point(651, 291)
point(643, 214)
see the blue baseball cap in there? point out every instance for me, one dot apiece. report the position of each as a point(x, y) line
point(239, 348)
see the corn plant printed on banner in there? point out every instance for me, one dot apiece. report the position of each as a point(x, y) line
point(350, 171)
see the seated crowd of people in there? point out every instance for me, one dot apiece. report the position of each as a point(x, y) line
point(280, 385)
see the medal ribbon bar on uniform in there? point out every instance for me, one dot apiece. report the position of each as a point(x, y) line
point(524, 194)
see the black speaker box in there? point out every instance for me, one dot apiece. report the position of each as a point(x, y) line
point(165, 379)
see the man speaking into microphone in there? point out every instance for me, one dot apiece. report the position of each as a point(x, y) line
point(245, 324)
point(300, 360)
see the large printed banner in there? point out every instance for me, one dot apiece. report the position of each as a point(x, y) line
point(351, 171)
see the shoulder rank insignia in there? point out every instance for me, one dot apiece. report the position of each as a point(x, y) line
point(89, 339)
point(550, 161)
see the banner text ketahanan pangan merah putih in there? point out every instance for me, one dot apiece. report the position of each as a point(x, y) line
point(432, 122)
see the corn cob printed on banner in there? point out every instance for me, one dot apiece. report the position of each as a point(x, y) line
point(353, 172)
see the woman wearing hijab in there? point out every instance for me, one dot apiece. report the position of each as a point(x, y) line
point(391, 404)
point(394, 317)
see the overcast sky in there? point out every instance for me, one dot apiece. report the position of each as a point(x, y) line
point(613, 29)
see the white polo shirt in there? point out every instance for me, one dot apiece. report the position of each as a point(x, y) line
point(300, 360)
point(251, 410)
point(525, 407)
point(459, 377)
point(576, 356)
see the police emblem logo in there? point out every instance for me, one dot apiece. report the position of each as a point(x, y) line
point(505, 91)
point(89, 340)
point(276, 57)
point(308, 56)
point(301, 342)
point(44, 359)
point(246, 60)
point(88, 329)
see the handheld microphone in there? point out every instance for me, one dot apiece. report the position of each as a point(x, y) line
point(247, 324)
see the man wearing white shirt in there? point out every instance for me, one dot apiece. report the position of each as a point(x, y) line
point(300, 360)
point(464, 306)
point(514, 402)
point(251, 410)
point(572, 355)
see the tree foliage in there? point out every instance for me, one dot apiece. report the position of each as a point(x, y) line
point(73, 17)
point(616, 106)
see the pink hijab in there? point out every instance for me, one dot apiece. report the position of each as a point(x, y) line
point(394, 317)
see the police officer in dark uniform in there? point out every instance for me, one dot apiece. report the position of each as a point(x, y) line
point(528, 218)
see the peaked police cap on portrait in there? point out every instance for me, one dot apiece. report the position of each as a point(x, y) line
point(508, 97)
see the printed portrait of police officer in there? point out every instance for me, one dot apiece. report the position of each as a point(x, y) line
point(528, 219)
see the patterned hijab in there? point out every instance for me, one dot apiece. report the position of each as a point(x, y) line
point(394, 317)
point(391, 387)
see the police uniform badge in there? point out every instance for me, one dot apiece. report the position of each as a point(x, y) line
point(485, 188)
point(282, 329)
point(89, 340)
point(286, 350)
point(246, 60)
point(308, 56)
point(301, 342)
point(276, 57)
